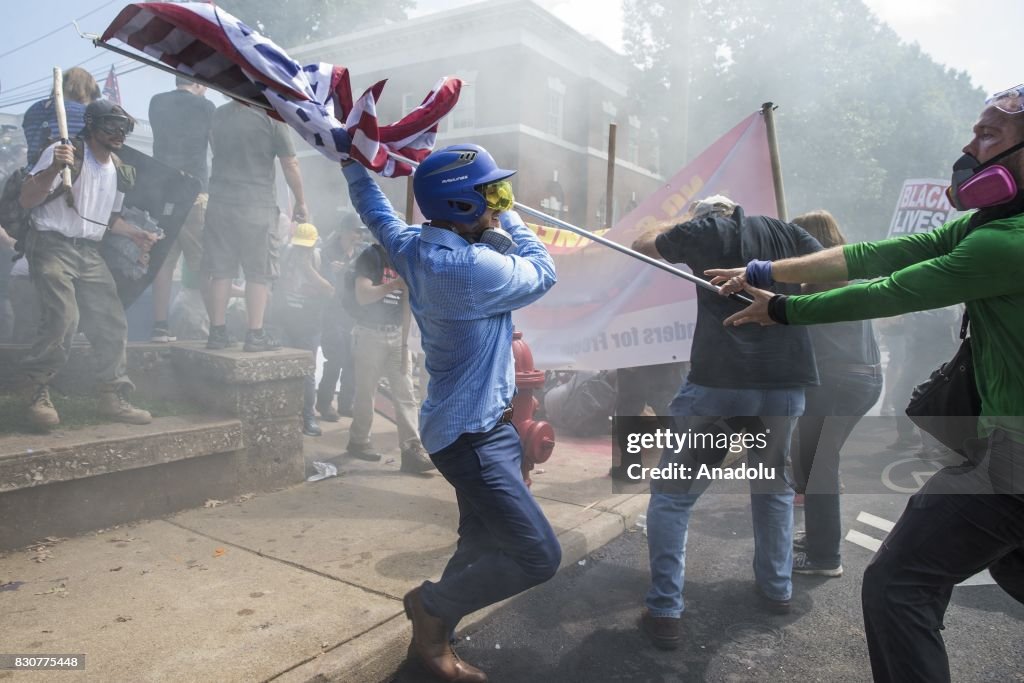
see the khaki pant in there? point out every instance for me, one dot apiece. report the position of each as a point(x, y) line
point(75, 289)
point(379, 352)
point(25, 304)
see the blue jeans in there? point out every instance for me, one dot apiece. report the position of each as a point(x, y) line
point(833, 409)
point(505, 543)
point(698, 408)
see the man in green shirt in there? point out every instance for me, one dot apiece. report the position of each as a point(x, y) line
point(966, 518)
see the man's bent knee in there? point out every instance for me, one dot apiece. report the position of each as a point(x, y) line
point(543, 563)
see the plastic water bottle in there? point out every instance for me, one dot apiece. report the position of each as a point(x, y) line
point(641, 523)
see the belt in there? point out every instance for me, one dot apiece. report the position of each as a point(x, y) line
point(76, 242)
point(874, 370)
point(506, 416)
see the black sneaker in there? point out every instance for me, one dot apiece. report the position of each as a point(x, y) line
point(800, 541)
point(804, 565)
point(310, 427)
point(260, 342)
point(219, 339)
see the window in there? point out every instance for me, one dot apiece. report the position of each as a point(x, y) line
point(608, 114)
point(655, 150)
point(633, 140)
point(553, 201)
point(464, 113)
point(556, 107)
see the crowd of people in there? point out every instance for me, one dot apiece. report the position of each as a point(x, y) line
point(810, 367)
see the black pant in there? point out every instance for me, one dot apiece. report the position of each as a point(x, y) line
point(964, 520)
point(336, 345)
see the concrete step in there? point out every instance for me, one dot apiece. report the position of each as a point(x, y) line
point(70, 481)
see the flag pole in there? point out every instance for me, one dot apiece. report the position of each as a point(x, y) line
point(609, 191)
point(700, 282)
point(767, 110)
point(95, 40)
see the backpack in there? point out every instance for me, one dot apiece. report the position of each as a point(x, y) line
point(348, 296)
point(17, 220)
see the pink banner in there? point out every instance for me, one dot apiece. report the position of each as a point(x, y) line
point(610, 310)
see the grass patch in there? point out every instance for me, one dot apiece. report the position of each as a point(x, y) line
point(80, 411)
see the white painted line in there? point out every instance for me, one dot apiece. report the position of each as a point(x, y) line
point(979, 579)
point(863, 540)
point(877, 522)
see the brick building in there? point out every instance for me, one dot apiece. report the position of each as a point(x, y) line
point(539, 96)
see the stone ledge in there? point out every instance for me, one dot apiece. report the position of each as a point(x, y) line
point(232, 367)
point(34, 460)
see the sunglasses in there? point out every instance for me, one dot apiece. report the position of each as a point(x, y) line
point(1010, 101)
point(498, 196)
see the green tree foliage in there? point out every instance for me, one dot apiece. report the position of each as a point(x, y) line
point(858, 111)
point(291, 23)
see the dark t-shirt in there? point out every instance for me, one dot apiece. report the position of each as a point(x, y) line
point(838, 345)
point(181, 124)
point(386, 311)
point(747, 356)
point(245, 143)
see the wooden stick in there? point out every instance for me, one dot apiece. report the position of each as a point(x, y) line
point(62, 118)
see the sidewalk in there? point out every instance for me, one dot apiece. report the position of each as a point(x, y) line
point(303, 584)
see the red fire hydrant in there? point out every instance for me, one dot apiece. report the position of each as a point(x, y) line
point(537, 437)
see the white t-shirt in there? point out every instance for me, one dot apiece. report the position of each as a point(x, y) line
point(96, 197)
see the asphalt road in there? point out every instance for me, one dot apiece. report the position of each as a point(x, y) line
point(581, 626)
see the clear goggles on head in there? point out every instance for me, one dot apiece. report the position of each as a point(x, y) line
point(1010, 101)
point(498, 195)
point(112, 125)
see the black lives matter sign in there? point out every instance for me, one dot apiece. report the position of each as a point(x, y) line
point(922, 207)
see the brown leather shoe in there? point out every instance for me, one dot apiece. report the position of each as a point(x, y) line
point(663, 632)
point(431, 648)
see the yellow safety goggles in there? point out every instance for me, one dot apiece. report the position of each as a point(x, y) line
point(498, 196)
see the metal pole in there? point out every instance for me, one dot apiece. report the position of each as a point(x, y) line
point(773, 150)
point(609, 192)
point(410, 200)
point(700, 282)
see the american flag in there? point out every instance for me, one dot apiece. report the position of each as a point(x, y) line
point(111, 90)
point(199, 39)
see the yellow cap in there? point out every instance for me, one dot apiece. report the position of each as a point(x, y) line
point(305, 235)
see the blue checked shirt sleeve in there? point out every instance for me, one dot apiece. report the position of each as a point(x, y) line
point(373, 207)
point(503, 283)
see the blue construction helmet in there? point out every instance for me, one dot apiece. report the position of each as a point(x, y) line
point(446, 184)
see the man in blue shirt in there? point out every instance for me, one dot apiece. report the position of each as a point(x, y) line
point(465, 275)
point(40, 120)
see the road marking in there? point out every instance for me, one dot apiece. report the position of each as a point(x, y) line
point(863, 540)
point(873, 544)
point(877, 522)
point(919, 477)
